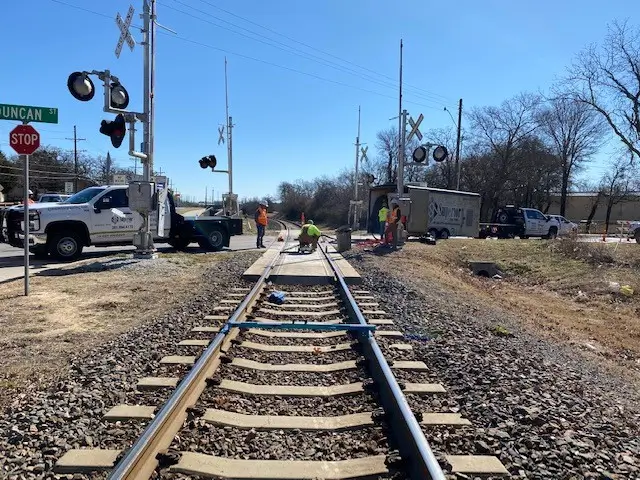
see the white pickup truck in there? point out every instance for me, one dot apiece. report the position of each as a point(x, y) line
point(101, 216)
point(511, 221)
point(634, 231)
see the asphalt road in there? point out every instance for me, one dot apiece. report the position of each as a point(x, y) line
point(12, 259)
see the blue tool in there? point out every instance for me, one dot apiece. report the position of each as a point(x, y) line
point(276, 297)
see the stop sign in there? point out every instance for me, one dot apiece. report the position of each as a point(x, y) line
point(24, 139)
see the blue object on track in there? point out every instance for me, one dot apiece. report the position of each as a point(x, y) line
point(276, 297)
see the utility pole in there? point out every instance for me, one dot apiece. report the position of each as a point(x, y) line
point(75, 157)
point(232, 203)
point(355, 187)
point(205, 196)
point(458, 144)
point(402, 131)
point(108, 168)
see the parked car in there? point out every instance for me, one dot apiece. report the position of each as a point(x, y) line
point(53, 198)
point(511, 221)
point(565, 227)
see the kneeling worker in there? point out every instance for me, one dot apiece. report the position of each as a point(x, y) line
point(309, 235)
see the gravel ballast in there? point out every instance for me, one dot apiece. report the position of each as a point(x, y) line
point(40, 427)
point(546, 412)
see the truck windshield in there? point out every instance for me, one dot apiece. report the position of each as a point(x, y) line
point(84, 196)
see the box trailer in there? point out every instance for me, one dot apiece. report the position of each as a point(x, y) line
point(441, 212)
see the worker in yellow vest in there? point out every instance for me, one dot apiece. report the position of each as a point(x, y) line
point(309, 235)
point(261, 223)
point(382, 219)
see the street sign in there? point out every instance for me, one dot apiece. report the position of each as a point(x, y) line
point(364, 153)
point(125, 36)
point(68, 188)
point(221, 132)
point(24, 139)
point(414, 128)
point(24, 113)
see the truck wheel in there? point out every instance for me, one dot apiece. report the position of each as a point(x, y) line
point(637, 236)
point(553, 233)
point(503, 218)
point(444, 234)
point(65, 246)
point(434, 233)
point(215, 241)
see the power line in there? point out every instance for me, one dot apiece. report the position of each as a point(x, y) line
point(295, 51)
point(318, 50)
point(194, 42)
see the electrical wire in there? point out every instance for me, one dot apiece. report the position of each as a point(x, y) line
point(295, 51)
point(35, 171)
point(194, 42)
point(396, 82)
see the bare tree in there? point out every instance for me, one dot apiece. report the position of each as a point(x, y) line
point(617, 184)
point(608, 80)
point(574, 132)
point(501, 130)
point(385, 166)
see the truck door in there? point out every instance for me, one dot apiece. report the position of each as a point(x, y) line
point(111, 218)
point(532, 223)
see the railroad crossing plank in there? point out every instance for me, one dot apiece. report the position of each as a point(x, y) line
point(155, 383)
point(277, 422)
point(454, 419)
point(178, 359)
point(423, 388)
point(130, 412)
point(194, 342)
point(86, 460)
point(296, 348)
point(269, 333)
point(299, 314)
point(290, 390)
point(476, 464)
point(192, 463)
point(294, 367)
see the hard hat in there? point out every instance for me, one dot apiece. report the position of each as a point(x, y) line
point(30, 192)
point(264, 202)
point(310, 222)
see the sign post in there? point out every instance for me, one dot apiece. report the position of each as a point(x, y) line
point(25, 140)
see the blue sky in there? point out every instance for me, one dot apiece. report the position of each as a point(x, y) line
point(289, 125)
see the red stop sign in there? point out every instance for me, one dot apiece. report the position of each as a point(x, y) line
point(24, 139)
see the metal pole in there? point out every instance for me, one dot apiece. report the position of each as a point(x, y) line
point(25, 159)
point(458, 144)
point(355, 190)
point(402, 126)
point(229, 138)
point(75, 159)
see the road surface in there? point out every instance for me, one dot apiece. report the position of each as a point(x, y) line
point(12, 259)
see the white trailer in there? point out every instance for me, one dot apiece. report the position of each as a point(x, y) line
point(443, 213)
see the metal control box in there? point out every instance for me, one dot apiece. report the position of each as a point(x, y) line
point(141, 197)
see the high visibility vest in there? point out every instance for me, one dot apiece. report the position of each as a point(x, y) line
point(262, 216)
point(382, 214)
point(392, 217)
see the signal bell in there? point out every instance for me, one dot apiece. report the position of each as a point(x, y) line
point(208, 161)
point(115, 129)
point(81, 86)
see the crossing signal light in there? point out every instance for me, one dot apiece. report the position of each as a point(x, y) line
point(440, 154)
point(370, 179)
point(116, 130)
point(420, 154)
point(208, 162)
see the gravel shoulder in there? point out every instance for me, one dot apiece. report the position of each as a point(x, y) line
point(79, 306)
point(542, 406)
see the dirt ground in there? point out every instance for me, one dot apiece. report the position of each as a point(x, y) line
point(559, 289)
point(79, 306)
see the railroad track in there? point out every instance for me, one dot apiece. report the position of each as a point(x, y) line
point(306, 389)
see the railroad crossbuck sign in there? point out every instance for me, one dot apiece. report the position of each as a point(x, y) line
point(221, 132)
point(363, 151)
point(125, 36)
point(414, 128)
point(24, 139)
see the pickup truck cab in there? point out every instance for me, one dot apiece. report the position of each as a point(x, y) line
point(634, 231)
point(511, 221)
point(101, 216)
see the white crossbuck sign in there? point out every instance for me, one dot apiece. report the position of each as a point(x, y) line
point(414, 128)
point(364, 153)
point(221, 132)
point(125, 36)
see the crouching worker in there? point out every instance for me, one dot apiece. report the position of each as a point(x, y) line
point(309, 235)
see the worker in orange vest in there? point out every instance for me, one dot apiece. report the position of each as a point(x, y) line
point(393, 218)
point(261, 223)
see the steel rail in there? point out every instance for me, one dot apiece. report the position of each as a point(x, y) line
point(421, 463)
point(140, 460)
